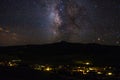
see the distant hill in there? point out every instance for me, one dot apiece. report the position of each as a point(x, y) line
point(61, 48)
point(65, 51)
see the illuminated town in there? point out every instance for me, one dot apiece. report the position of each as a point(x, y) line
point(74, 70)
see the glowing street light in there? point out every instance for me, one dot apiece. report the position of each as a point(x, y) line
point(48, 69)
point(87, 63)
point(109, 73)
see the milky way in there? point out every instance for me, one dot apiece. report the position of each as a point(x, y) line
point(68, 18)
point(55, 19)
point(47, 21)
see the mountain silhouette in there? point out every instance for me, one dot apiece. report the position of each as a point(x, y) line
point(64, 51)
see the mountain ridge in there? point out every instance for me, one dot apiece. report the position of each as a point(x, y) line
point(64, 51)
point(62, 47)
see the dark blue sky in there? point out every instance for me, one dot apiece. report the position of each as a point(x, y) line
point(47, 21)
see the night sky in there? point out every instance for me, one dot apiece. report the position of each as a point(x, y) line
point(47, 21)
